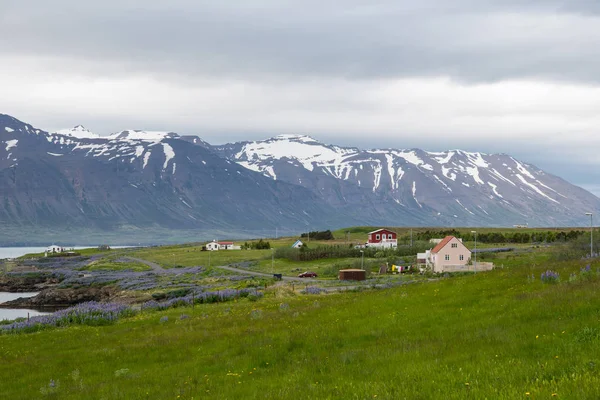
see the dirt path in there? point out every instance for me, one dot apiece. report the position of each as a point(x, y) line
point(155, 267)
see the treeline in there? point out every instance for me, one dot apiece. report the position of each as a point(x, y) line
point(306, 253)
point(260, 245)
point(318, 235)
point(503, 237)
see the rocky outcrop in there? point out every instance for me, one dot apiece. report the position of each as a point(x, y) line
point(20, 284)
point(55, 297)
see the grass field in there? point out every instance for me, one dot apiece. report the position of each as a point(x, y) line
point(108, 264)
point(494, 335)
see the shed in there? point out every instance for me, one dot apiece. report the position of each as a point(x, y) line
point(352, 275)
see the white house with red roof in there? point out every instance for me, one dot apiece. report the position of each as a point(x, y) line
point(383, 238)
point(449, 254)
point(215, 245)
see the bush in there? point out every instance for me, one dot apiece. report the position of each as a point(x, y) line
point(260, 245)
point(319, 235)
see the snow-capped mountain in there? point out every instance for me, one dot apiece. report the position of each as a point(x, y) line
point(79, 132)
point(454, 187)
point(148, 178)
point(140, 178)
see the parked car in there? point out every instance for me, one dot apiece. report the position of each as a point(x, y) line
point(308, 274)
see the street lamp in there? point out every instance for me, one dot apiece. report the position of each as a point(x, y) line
point(272, 258)
point(475, 264)
point(591, 234)
point(362, 259)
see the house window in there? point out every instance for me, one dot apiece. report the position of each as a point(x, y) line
point(377, 236)
point(461, 257)
point(454, 245)
point(384, 236)
point(447, 257)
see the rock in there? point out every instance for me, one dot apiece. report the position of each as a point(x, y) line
point(19, 284)
point(55, 297)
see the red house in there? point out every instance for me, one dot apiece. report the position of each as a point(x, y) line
point(382, 238)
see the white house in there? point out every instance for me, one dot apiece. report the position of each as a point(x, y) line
point(297, 244)
point(214, 246)
point(54, 249)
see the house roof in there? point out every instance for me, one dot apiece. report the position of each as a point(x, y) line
point(442, 244)
point(382, 229)
point(225, 242)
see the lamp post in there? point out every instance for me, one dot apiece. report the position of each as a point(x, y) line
point(475, 264)
point(362, 259)
point(591, 234)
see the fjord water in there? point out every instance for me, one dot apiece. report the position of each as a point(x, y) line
point(13, 252)
point(12, 313)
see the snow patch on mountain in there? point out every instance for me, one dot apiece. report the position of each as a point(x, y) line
point(145, 136)
point(169, 154)
point(414, 193)
point(535, 188)
point(11, 143)
point(79, 132)
point(9, 130)
point(146, 158)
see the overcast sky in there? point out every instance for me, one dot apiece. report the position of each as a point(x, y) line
point(521, 77)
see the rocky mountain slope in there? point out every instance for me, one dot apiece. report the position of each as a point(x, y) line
point(75, 178)
point(433, 188)
point(142, 179)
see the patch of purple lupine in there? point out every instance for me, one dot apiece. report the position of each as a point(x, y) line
point(218, 296)
point(313, 290)
point(550, 277)
point(89, 313)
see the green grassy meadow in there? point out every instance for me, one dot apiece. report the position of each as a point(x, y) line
point(492, 335)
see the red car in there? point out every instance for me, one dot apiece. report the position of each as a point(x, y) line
point(307, 274)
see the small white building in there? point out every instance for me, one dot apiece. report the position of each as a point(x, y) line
point(54, 249)
point(214, 246)
point(297, 244)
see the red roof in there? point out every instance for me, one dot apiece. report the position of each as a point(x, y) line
point(225, 243)
point(441, 244)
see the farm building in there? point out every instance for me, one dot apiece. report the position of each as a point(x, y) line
point(214, 246)
point(382, 238)
point(297, 244)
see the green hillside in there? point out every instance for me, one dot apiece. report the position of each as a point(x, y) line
point(497, 335)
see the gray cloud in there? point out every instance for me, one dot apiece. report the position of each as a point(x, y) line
point(514, 76)
point(467, 40)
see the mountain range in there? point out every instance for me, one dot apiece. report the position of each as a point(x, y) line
point(75, 178)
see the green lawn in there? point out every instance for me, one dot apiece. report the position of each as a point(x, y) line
point(494, 335)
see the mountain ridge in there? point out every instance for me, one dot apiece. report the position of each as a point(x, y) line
point(151, 178)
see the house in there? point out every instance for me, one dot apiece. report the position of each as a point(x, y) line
point(54, 249)
point(449, 254)
point(297, 244)
point(383, 238)
point(214, 246)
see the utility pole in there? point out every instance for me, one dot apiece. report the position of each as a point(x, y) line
point(591, 234)
point(475, 267)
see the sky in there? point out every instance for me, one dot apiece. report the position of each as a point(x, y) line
point(518, 76)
